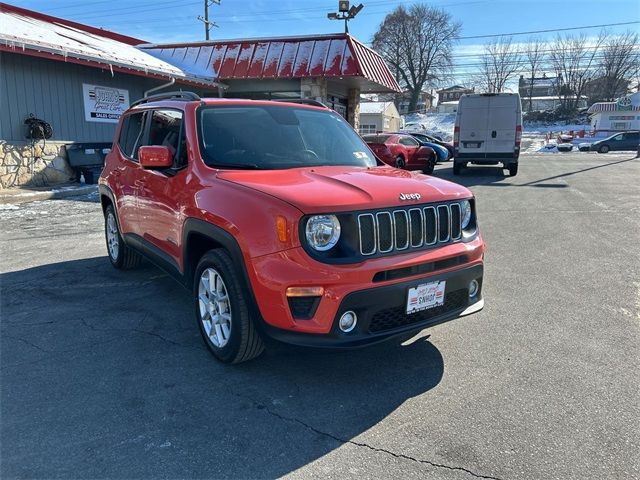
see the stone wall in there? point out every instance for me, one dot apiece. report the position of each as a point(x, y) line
point(40, 164)
point(353, 111)
point(314, 88)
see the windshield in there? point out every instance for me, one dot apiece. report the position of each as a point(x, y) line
point(278, 137)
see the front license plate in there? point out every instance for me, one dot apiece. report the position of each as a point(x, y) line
point(425, 296)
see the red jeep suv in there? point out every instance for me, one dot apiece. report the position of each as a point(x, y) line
point(279, 219)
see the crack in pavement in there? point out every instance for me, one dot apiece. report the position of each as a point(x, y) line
point(260, 406)
point(27, 343)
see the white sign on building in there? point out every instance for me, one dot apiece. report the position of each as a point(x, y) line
point(104, 104)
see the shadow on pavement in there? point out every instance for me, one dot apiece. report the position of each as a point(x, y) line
point(104, 375)
point(494, 176)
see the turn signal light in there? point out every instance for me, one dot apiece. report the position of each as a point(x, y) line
point(281, 228)
point(305, 291)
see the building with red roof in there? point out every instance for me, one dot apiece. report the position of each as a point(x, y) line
point(79, 79)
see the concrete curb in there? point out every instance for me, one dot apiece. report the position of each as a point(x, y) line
point(25, 196)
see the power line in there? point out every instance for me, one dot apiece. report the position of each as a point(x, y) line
point(548, 30)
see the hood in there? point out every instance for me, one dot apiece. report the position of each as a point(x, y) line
point(335, 189)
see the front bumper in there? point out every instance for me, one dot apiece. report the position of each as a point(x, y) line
point(381, 312)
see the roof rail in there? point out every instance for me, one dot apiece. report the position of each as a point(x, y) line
point(184, 96)
point(305, 101)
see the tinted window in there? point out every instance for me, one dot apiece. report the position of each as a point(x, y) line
point(278, 136)
point(376, 138)
point(408, 141)
point(166, 130)
point(131, 134)
point(617, 137)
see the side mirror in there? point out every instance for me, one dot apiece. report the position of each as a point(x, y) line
point(155, 156)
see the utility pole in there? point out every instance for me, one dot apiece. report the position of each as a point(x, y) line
point(205, 19)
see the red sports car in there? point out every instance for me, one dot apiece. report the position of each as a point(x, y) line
point(402, 151)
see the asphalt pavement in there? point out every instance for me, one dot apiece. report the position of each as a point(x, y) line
point(103, 373)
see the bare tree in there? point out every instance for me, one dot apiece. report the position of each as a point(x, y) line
point(617, 64)
point(574, 60)
point(533, 61)
point(417, 43)
point(501, 61)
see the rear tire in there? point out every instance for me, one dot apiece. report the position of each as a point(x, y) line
point(222, 311)
point(400, 163)
point(431, 165)
point(457, 168)
point(604, 149)
point(513, 169)
point(120, 255)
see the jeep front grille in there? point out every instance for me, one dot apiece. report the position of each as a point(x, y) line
point(409, 228)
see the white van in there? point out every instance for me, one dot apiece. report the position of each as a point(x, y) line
point(488, 131)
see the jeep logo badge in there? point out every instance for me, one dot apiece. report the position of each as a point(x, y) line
point(410, 196)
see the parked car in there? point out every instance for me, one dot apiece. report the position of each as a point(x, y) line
point(430, 141)
point(488, 131)
point(282, 224)
point(625, 141)
point(402, 151)
point(415, 127)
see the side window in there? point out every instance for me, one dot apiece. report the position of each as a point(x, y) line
point(131, 134)
point(167, 130)
point(408, 142)
point(618, 137)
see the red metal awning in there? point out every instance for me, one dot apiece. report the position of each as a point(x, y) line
point(338, 55)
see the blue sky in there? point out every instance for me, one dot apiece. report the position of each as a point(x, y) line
point(175, 20)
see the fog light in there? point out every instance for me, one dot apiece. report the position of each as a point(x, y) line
point(348, 321)
point(473, 288)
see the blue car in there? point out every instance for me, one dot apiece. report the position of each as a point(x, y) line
point(443, 152)
point(618, 142)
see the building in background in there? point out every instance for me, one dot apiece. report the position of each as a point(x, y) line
point(452, 94)
point(334, 69)
point(622, 115)
point(379, 117)
point(425, 102)
point(542, 93)
point(606, 89)
point(79, 79)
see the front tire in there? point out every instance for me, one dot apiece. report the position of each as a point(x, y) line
point(604, 149)
point(222, 311)
point(120, 255)
point(400, 163)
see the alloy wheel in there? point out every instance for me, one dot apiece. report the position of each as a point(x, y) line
point(113, 237)
point(215, 308)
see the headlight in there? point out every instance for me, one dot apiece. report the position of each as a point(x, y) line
point(322, 231)
point(466, 213)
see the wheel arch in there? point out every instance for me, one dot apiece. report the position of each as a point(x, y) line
point(108, 198)
point(199, 237)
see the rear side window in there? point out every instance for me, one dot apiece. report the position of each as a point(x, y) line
point(131, 134)
point(376, 138)
point(408, 142)
point(167, 130)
